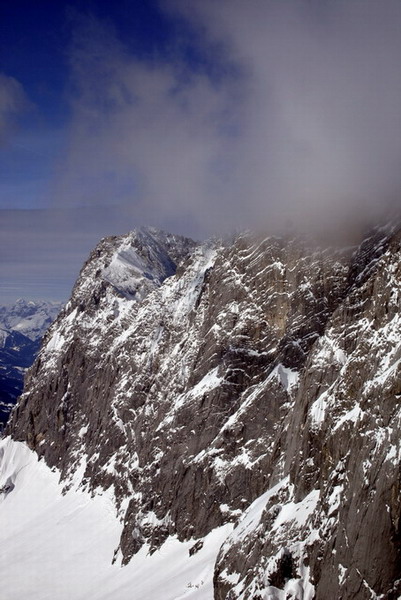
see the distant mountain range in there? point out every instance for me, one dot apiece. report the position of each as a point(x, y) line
point(22, 326)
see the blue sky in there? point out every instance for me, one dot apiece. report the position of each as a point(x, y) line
point(198, 117)
point(35, 48)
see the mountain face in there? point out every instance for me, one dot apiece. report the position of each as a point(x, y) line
point(255, 383)
point(21, 327)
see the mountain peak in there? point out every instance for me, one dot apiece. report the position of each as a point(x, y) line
point(250, 387)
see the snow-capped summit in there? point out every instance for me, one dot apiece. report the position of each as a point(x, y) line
point(137, 263)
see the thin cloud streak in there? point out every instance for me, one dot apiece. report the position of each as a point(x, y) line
point(13, 103)
point(42, 251)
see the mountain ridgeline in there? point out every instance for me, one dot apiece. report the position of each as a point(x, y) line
point(256, 382)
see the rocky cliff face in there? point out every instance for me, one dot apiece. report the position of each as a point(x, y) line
point(255, 382)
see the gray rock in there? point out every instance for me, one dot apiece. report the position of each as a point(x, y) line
point(255, 382)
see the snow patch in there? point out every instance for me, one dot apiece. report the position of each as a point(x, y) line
point(318, 410)
point(352, 415)
point(287, 377)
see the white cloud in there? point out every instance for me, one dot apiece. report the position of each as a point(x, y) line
point(151, 133)
point(323, 107)
point(306, 127)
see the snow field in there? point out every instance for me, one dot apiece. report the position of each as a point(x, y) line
point(56, 546)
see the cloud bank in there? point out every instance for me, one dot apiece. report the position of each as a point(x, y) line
point(298, 122)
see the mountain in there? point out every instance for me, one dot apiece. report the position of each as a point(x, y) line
point(227, 413)
point(21, 327)
point(28, 317)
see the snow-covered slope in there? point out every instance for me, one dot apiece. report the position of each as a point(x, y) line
point(57, 545)
point(253, 383)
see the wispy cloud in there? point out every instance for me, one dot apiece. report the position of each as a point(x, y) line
point(42, 251)
point(150, 133)
point(13, 102)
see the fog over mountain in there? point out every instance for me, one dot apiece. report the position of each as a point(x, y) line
point(298, 118)
point(215, 412)
point(275, 115)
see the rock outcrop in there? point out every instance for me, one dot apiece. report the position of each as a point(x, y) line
point(257, 382)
